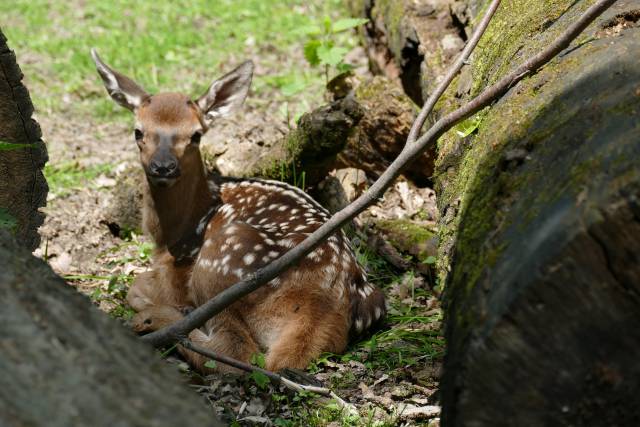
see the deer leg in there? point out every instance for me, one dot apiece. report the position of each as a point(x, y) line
point(303, 339)
point(140, 295)
point(163, 285)
point(225, 335)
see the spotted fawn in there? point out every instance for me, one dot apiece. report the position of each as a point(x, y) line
point(212, 232)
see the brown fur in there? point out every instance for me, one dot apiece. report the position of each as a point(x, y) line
point(309, 309)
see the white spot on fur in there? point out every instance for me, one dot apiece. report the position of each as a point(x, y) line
point(359, 325)
point(249, 259)
point(258, 247)
point(378, 312)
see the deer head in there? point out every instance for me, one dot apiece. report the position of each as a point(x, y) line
point(168, 126)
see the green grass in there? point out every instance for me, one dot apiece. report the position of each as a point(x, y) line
point(169, 45)
point(413, 335)
point(65, 177)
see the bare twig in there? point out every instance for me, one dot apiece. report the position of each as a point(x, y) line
point(278, 379)
point(453, 71)
point(200, 315)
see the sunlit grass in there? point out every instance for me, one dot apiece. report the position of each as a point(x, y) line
point(168, 45)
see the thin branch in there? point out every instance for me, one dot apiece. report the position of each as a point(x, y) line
point(278, 379)
point(200, 315)
point(453, 71)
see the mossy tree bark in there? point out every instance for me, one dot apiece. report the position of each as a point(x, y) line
point(311, 147)
point(413, 41)
point(540, 221)
point(64, 363)
point(540, 217)
point(23, 189)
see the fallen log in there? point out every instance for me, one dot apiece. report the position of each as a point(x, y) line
point(539, 228)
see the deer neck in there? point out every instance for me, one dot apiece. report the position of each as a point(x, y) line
point(176, 216)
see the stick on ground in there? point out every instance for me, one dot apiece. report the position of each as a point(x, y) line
point(278, 379)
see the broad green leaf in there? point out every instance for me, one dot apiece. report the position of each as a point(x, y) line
point(309, 30)
point(260, 379)
point(468, 126)
point(258, 359)
point(7, 146)
point(211, 364)
point(345, 24)
point(311, 51)
point(7, 220)
point(331, 56)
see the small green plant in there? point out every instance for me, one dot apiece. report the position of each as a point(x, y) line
point(261, 380)
point(323, 49)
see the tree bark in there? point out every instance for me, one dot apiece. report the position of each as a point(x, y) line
point(65, 363)
point(310, 148)
point(413, 41)
point(382, 132)
point(539, 229)
point(23, 189)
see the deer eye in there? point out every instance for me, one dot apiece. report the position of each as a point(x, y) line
point(147, 321)
point(195, 138)
point(138, 134)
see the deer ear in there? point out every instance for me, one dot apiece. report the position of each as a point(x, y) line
point(227, 93)
point(121, 88)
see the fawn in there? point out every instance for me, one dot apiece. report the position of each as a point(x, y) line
point(210, 233)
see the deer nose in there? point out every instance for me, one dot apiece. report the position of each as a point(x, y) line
point(164, 168)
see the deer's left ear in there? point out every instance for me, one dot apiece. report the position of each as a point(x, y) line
point(122, 89)
point(227, 93)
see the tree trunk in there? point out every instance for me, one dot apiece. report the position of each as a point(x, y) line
point(23, 189)
point(64, 363)
point(541, 229)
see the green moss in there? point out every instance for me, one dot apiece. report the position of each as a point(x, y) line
point(513, 34)
point(409, 237)
point(393, 12)
point(469, 176)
